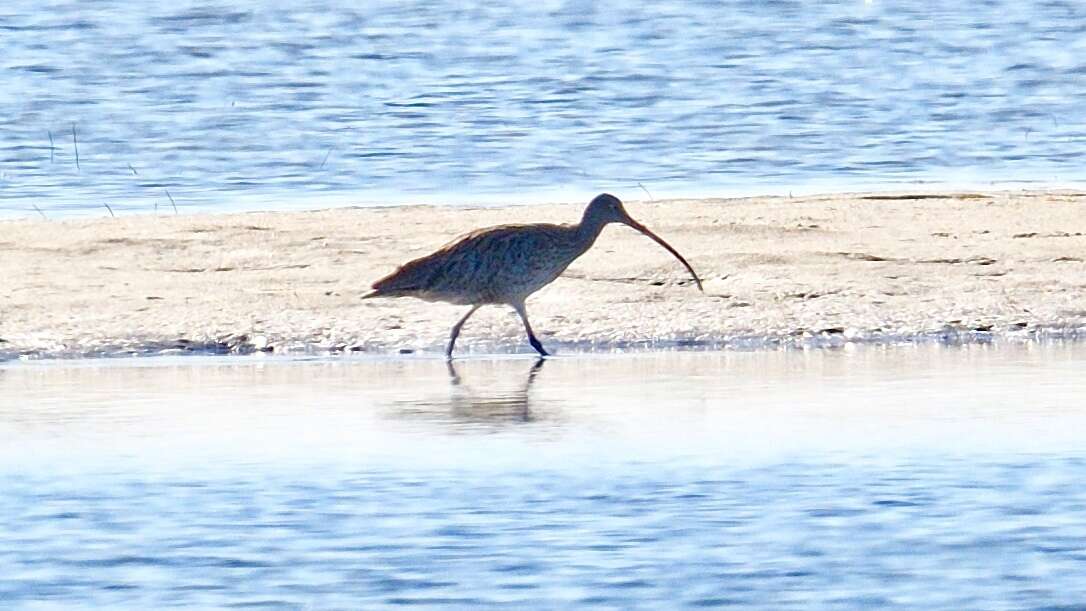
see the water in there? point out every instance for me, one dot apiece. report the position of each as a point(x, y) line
point(919, 477)
point(251, 105)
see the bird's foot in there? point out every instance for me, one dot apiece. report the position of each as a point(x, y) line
point(538, 347)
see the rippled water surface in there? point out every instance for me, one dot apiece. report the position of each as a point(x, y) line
point(905, 477)
point(272, 105)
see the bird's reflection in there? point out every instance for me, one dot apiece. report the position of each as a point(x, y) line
point(469, 404)
point(454, 375)
point(475, 403)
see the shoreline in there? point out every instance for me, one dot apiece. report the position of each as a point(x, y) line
point(780, 272)
point(241, 348)
point(22, 209)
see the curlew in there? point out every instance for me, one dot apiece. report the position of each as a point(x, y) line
point(507, 263)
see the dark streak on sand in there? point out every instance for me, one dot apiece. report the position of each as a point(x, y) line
point(924, 196)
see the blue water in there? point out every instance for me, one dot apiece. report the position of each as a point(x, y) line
point(1002, 535)
point(911, 477)
point(252, 105)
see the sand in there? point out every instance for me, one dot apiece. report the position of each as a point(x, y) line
point(778, 271)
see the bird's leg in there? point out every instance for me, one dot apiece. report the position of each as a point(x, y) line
point(519, 307)
point(456, 331)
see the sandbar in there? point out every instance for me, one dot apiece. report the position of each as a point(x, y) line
point(818, 270)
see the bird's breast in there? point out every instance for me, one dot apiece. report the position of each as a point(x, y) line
point(525, 264)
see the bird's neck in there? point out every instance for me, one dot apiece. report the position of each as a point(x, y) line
point(588, 230)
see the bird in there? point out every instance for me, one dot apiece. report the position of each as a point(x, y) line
point(506, 264)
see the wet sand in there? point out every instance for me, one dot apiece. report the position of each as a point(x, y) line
point(812, 270)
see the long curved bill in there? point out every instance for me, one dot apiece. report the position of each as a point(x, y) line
point(661, 242)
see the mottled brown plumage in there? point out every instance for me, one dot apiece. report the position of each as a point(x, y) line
point(506, 264)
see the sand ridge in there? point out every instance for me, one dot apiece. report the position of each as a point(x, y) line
point(777, 271)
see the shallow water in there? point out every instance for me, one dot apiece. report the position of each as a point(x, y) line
point(911, 476)
point(307, 104)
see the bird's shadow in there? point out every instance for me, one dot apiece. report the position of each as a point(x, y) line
point(468, 405)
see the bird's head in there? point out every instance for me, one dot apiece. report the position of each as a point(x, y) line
point(606, 208)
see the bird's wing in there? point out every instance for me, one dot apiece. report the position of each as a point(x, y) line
point(468, 259)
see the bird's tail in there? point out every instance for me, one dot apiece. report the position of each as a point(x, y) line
point(397, 284)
